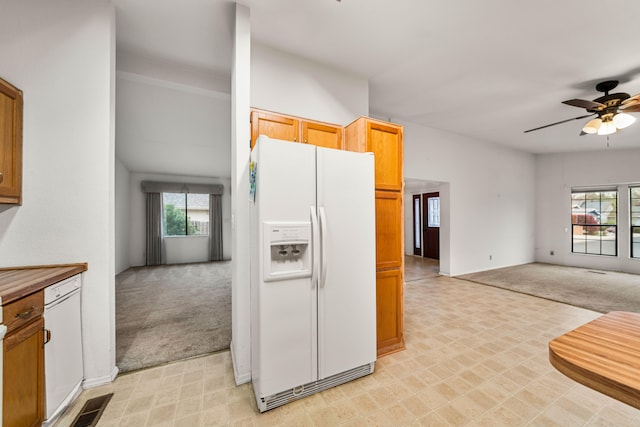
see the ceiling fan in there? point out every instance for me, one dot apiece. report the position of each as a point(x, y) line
point(612, 110)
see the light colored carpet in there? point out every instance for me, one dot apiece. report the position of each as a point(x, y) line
point(171, 312)
point(596, 290)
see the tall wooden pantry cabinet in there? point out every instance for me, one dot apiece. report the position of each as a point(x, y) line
point(385, 141)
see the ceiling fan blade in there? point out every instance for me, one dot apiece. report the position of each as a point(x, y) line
point(630, 105)
point(633, 100)
point(583, 103)
point(558, 123)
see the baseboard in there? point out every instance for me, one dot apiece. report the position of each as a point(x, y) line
point(97, 382)
point(66, 403)
point(240, 378)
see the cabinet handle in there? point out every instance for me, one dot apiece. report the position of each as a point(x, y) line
point(295, 139)
point(26, 314)
point(47, 335)
point(306, 142)
point(1, 178)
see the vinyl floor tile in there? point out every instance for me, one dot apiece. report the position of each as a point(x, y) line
point(476, 356)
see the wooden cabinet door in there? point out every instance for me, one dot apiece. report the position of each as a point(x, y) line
point(23, 376)
point(389, 233)
point(275, 126)
point(10, 144)
point(385, 141)
point(390, 311)
point(322, 134)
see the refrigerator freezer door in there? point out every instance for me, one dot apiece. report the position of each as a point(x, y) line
point(347, 296)
point(284, 312)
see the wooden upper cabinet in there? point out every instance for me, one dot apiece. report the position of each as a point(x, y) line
point(384, 140)
point(321, 134)
point(10, 144)
point(274, 126)
point(295, 129)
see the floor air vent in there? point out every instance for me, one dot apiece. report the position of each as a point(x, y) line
point(91, 411)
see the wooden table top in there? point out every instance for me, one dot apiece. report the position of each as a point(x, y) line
point(604, 355)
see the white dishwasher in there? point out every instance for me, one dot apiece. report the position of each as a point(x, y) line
point(63, 364)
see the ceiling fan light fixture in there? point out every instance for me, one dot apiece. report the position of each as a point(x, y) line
point(607, 128)
point(622, 120)
point(592, 126)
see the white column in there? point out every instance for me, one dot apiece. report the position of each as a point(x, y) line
point(240, 152)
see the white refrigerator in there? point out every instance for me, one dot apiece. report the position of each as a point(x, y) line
point(313, 274)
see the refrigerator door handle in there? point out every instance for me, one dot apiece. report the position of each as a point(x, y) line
point(315, 240)
point(323, 259)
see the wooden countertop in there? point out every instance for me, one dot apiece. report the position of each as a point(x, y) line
point(604, 355)
point(17, 282)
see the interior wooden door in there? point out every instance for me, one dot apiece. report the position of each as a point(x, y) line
point(431, 225)
point(417, 227)
point(321, 134)
point(273, 125)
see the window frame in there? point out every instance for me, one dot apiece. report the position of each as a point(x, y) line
point(185, 209)
point(634, 225)
point(579, 222)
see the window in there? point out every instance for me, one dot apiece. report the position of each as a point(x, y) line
point(434, 211)
point(634, 203)
point(185, 214)
point(594, 219)
point(416, 221)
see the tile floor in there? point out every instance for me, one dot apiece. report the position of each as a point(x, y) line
point(476, 356)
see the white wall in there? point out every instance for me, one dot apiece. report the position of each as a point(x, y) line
point(122, 219)
point(183, 249)
point(487, 206)
point(61, 54)
point(292, 85)
point(170, 128)
point(137, 205)
point(556, 174)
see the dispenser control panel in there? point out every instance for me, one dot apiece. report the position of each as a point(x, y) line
point(287, 250)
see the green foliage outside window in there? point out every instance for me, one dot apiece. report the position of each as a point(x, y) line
point(176, 222)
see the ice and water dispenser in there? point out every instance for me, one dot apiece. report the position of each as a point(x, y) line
point(287, 250)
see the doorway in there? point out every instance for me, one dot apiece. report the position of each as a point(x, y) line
point(416, 221)
point(426, 225)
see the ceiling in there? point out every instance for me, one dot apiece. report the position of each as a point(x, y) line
point(488, 70)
